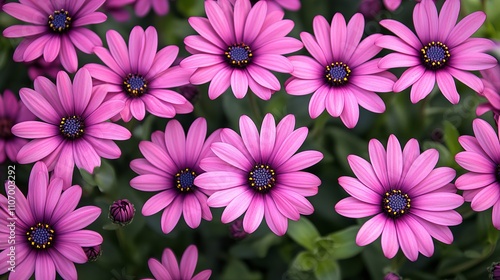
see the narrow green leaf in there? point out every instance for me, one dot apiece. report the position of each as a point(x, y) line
point(328, 270)
point(303, 232)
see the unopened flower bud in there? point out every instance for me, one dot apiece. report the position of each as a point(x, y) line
point(121, 212)
point(392, 276)
point(92, 252)
point(236, 229)
point(494, 271)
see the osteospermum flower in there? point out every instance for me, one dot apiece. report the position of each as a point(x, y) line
point(171, 165)
point(260, 175)
point(140, 76)
point(168, 268)
point(12, 111)
point(49, 230)
point(440, 52)
point(54, 29)
point(482, 159)
point(409, 199)
point(491, 81)
point(160, 7)
point(73, 127)
point(342, 73)
point(238, 46)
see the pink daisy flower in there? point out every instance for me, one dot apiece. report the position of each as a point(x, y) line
point(73, 127)
point(140, 76)
point(171, 163)
point(12, 111)
point(49, 233)
point(442, 51)
point(237, 47)
point(54, 29)
point(117, 9)
point(168, 268)
point(411, 201)
point(482, 159)
point(342, 73)
point(160, 7)
point(392, 5)
point(491, 81)
point(260, 175)
point(273, 5)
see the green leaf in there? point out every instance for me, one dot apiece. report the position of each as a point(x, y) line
point(304, 261)
point(105, 176)
point(344, 243)
point(328, 270)
point(236, 269)
point(87, 177)
point(303, 232)
point(450, 138)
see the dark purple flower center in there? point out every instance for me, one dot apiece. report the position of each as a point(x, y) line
point(497, 173)
point(40, 236)
point(135, 85)
point(435, 55)
point(238, 55)
point(184, 180)
point(337, 73)
point(262, 178)
point(59, 21)
point(5, 128)
point(395, 203)
point(72, 127)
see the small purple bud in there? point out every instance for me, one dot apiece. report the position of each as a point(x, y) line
point(92, 252)
point(494, 271)
point(392, 276)
point(236, 229)
point(370, 8)
point(121, 212)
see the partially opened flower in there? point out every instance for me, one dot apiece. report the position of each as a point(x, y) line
point(160, 7)
point(117, 8)
point(440, 52)
point(12, 111)
point(491, 81)
point(342, 75)
point(54, 29)
point(392, 5)
point(260, 174)
point(237, 47)
point(73, 127)
point(169, 269)
point(49, 230)
point(171, 164)
point(481, 185)
point(409, 201)
point(140, 76)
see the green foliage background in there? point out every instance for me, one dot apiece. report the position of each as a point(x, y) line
point(321, 246)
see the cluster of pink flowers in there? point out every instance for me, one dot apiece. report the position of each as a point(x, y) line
point(257, 174)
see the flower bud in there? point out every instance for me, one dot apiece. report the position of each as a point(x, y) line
point(392, 276)
point(92, 252)
point(494, 271)
point(236, 229)
point(121, 212)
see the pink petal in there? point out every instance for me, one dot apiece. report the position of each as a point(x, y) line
point(401, 31)
point(188, 262)
point(118, 50)
point(368, 100)
point(158, 202)
point(436, 179)
point(350, 114)
point(220, 83)
point(371, 230)
point(420, 168)
point(425, 244)
point(192, 212)
point(32, 151)
point(69, 59)
point(239, 83)
point(335, 101)
point(267, 136)
point(219, 180)
point(486, 198)
point(364, 172)
point(474, 162)
point(237, 206)
point(423, 86)
point(471, 181)
point(378, 158)
point(353, 208)
point(389, 240)
point(322, 33)
point(313, 48)
point(408, 78)
point(170, 217)
point(318, 100)
point(407, 240)
point(34, 130)
point(338, 35)
point(447, 86)
point(300, 161)
point(276, 222)
point(467, 78)
point(44, 267)
point(437, 201)
point(149, 183)
point(254, 22)
point(447, 18)
point(254, 214)
point(219, 22)
point(465, 28)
